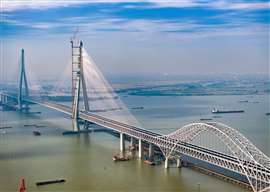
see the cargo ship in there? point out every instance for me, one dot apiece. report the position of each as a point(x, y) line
point(227, 111)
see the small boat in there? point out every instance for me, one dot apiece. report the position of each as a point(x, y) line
point(40, 126)
point(6, 127)
point(149, 162)
point(137, 108)
point(228, 111)
point(50, 182)
point(206, 119)
point(33, 112)
point(117, 158)
point(243, 101)
point(267, 113)
point(29, 125)
point(36, 133)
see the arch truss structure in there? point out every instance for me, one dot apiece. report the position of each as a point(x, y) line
point(245, 159)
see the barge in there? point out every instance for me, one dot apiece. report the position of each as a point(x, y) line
point(216, 111)
point(50, 182)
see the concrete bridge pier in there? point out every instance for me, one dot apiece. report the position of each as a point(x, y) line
point(178, 162)
point(166, 164)
point(1, 99)
point(5, 99)
point(132, 141)
point(150, 151)
point(122, 142)
point(140, 149)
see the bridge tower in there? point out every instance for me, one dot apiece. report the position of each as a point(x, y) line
point(22, 84)
point(78, 82)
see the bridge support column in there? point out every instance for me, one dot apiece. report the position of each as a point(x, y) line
point(166, 165)
point(140, 149)
point(122, 142)
point(151, 151)
point(78, 83)
point(22, 106)
point(75, 125)
point(5, 99)
point(132, 141)
point(2, 99)
point(178, 162)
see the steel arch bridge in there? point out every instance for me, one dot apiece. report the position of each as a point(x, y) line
point(246, 160)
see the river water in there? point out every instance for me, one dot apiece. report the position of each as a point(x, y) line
point(85, 160)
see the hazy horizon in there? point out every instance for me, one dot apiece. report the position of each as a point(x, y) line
point(138, 37)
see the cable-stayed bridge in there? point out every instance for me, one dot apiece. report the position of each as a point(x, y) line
point(241, 160)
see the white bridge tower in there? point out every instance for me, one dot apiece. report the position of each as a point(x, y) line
point(22, 84)
point(78, 83)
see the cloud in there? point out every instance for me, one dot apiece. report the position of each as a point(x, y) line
point(155, 17)
point(142, 29)
point(12, 5)
point(239, 5)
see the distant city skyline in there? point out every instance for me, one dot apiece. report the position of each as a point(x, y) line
point(139, 37)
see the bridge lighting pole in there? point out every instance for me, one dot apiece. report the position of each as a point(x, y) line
point(22, 81)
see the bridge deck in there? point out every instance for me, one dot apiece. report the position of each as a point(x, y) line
point(201, 153)
point(228, 162)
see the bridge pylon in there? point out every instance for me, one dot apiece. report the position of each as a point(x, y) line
point(23, 85)
point(78, 83)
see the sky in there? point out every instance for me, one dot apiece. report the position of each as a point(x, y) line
point(137, 37)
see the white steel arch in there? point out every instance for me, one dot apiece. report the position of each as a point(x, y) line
point(242, 149)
